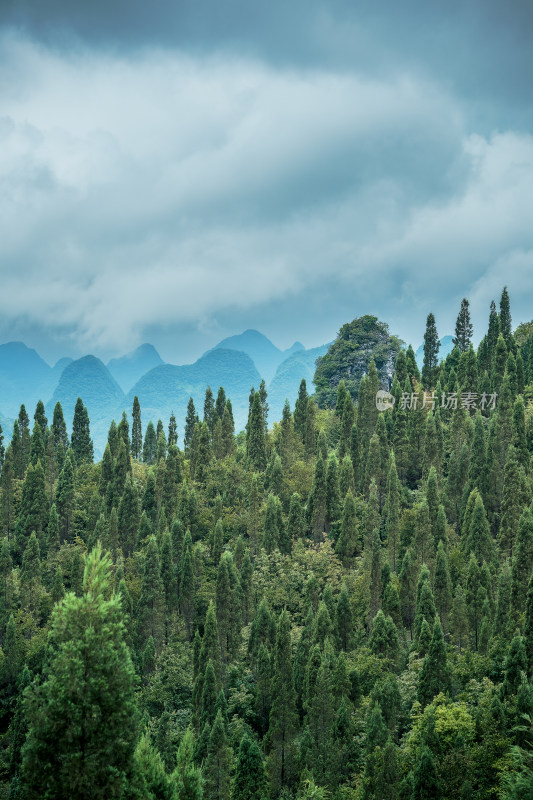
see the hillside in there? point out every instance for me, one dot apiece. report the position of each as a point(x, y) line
point(349, 356)
point(128, 369)
point(167, 388)
point(89, 379)
point(24, 378)
point(289, 374)
point(265, 355)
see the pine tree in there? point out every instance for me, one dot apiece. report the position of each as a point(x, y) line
point(190, 421)
point(150, 444)
point(81, 442)
point(82, 718)
point(255, 438)
point(435, 673)
point(283, 716)
point(64, 498)
point(250, 781)
point(209, 410)
point(392, 511)
point(344, 622)
point(522, 561)
point(136, 430)
point(317, 501)
point(431, 351)
point(187, 778)
point(505, 315)
point(151, 600)
point(58, 431)
point(463, 327)
point(128, 517)
point(479, 540)
point(348, 542)
point(300, 411)
point(459, 618)
point(425, 783)
point(217, 765)
point(442, 585)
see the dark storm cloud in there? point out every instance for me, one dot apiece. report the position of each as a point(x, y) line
point(479, 48)
point(178, 172)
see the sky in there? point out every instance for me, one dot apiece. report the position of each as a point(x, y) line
point(180, 171)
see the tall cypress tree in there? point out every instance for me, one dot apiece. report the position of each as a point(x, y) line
point(250, 781)
point(190, 421)
point(283, 716)
point(136, 430)
point(80, 441)
point(64, 498)
point(82, 717)
point(463, 327)
point(217, 765)
point(505, 315)
point(150, 444)
point(255, 437)
point(431, 352)
point(435, 673)
point(300, 410)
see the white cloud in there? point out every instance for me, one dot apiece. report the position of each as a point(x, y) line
point(167, 188)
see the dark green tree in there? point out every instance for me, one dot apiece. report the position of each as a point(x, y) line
point(80, 441)
point(82, 717)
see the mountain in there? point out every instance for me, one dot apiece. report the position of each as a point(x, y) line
point(167, 388)
point(128, 369)
point(265, 355)
point(24, 378)
point(446, 347)
point(60, 365)
point(349, 356)
point(289, 374)
point(89, 379)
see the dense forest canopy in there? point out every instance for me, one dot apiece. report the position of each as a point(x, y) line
point(337, 605)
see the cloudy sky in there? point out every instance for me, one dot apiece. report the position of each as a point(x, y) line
point(180, 170)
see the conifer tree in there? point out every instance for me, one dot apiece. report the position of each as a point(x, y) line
point(300, 411)
point(190, 421)
point(80, 441)
point(431, 351)
point(348, 542)
point(435, 674)
point(150, 444)
point(82, 722)
point(459, 618)
point(479, 540)
point(209, 410)
point(136, 430)
point(217, 765)
point(187, 777)
point(283, 716)
point(250, 781)
point(228, 429)
point(463, 327)
point(505, 315)
point(523, 561)
point(442, 585)
point(64, 498)
point(425, 783)
point(333, 504)
point(151, 600)
point(255, 438)
point(128, 517)
point(344, 622)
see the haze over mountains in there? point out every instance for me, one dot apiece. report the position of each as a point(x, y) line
point(237, 363)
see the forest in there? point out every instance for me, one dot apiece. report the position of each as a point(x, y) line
point(338, 604)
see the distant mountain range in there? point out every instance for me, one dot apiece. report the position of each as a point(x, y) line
point(236, 363)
